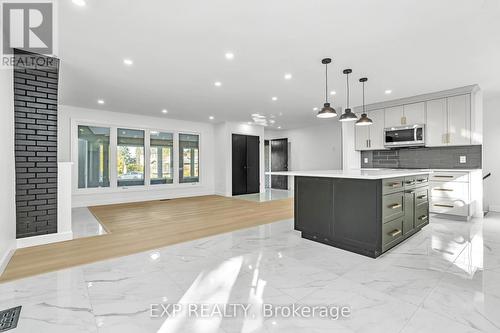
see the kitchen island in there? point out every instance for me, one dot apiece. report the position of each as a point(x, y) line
point(362, 211)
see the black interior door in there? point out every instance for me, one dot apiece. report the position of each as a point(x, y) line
point(245, 164)
point(239, 162)
point(253, 164)
point(279, 162)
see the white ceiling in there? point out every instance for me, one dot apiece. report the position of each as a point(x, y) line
point(178, 48)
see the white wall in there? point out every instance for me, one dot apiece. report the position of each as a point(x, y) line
point(491, 157)
point(7, 170)
point(223, 154)
point(69, 115)
point(313, 148)
point(316, 147)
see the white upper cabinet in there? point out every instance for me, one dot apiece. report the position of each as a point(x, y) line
point(402, 115)
point(449, 121)
point(371, 137)
point(376, 129)
point(394, 116)
point(414, 114)
point(362, 136)
point(451, 117)
point(459, 117)
point(436, 123)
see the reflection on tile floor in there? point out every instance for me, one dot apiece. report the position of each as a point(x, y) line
point(269, 195)
point(84, 224)
point(444, 279)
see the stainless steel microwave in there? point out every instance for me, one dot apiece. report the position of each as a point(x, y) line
point(404, 136)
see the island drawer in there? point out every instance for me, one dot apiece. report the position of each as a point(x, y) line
point(392, 233)
point(421, 196)
point(392, 206)
point(422, 180)
point(421, 215)
point(392, 185)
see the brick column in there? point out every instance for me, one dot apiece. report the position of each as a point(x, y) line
point(35, 105)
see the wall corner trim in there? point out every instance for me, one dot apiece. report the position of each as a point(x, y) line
point(4, 261)
point(44, 239)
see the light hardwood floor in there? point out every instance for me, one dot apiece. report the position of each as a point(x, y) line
point(142, 226)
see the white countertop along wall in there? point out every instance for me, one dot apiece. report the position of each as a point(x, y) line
point(353, 173)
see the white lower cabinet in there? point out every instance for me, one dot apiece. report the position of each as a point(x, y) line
point(451, 193)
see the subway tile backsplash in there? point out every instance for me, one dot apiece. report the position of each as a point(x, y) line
point(424, 158)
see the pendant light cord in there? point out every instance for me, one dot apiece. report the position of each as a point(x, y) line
point(348, 90)
point(364, 97)
point(326, 82)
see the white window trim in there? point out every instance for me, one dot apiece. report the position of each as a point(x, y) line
point(113, 188)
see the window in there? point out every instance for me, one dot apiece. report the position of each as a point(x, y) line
point(130, 157)
point(189, 158)
point(93, 156)
point(161, 158)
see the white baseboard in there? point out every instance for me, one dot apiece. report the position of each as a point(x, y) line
point(4, 261)
point(44, 239)
point(495, 208)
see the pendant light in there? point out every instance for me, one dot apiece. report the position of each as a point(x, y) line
point(364, 120)
point(348, 115)
point(327, 111)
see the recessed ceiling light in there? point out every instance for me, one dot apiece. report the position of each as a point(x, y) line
point(333, 92)
point(80, 3)
point(217, 83)
point(279, 127)
point(164, 111)
point(274, 98)
point(229, 55)
point(100, 101)
point(211, 118)
point(128, 62)
point(288, 76)
point(315, 109)
point(388, 91)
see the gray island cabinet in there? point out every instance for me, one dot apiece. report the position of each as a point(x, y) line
point(362, 211)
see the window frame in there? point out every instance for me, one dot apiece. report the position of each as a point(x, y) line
point(77, 156)
point(114, 188)
point(116, 155)
point(175, 141)
point(179, 157)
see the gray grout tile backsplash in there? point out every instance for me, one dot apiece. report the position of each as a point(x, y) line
point(424, 158)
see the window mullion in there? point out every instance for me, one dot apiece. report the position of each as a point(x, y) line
point(113, 140)
point(147, 158)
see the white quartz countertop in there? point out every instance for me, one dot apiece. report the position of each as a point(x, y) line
point(353, 173)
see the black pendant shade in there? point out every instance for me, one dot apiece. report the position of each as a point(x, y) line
point(364, 120)
point(326, 111)
point(348, 115)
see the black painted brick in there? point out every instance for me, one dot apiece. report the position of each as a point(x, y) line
point(35, 106)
